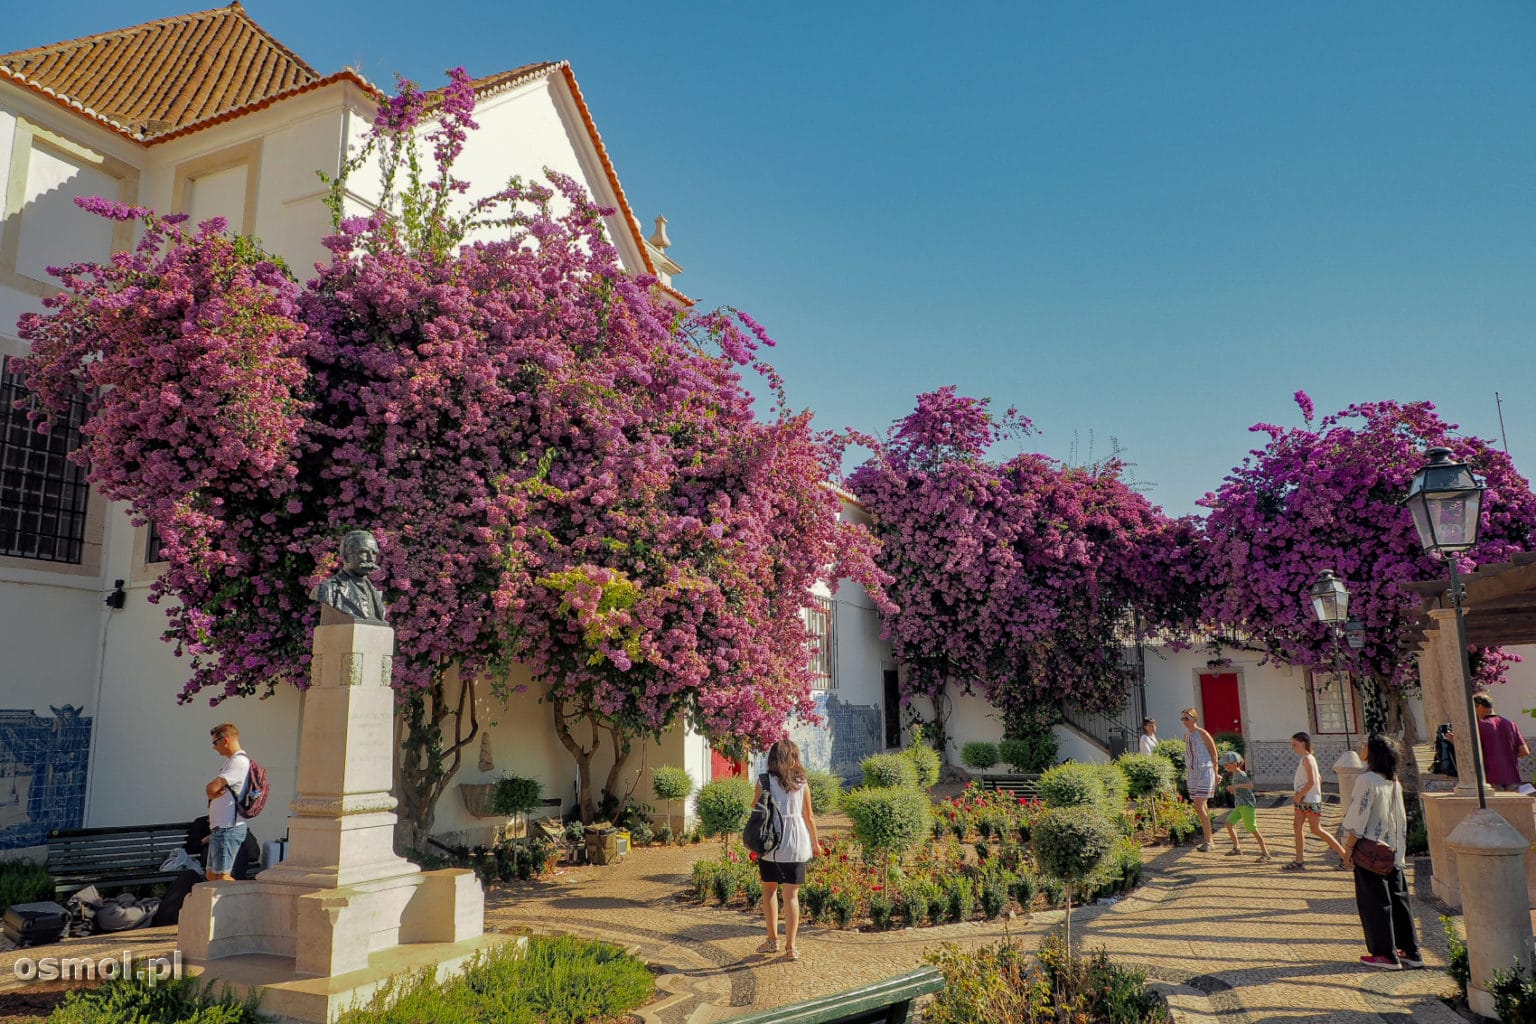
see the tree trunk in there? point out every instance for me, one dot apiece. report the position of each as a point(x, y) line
point(1401, 724)
point(424, 765)
point(586, 803)
point(623, 748)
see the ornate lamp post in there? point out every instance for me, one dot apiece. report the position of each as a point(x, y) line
point(1447, 504)
point(1330, 603)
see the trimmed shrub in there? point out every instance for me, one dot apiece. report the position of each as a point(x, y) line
point(881, 911)
point(179, 1001)
point(994, 898)
point(1029, 754)
point(1054, 890)
point(1231, 741)
point(1147, 774)
point(826, 791)
point(1072, 843)
point(887, 821)
point(959, 899)
point(913, 906)
point(1024, 889)
point(1116, 788)
point(1072, 785)
point(724, 806)
point(841, 906)
point(814, 896)
point(979, 754)
point(752, 889)
point(926, 763)
point(1173, 750)
point(889, 771)
point(517, 795)
point(670, 782)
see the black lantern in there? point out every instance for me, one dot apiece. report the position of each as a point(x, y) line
point(1330, 599)
point(1447, 503)
point(1354, 633)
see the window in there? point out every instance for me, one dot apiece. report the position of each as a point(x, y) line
point(42, 493)
point(153, 549)
point(1333, 704)
point(819, 618)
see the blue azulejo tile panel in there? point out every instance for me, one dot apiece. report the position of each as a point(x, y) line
point(848, 733)
point(43, 761)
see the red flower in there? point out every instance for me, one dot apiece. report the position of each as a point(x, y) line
point(751, 855)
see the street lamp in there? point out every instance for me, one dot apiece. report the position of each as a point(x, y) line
point(1447, 505)
point(1330, 603)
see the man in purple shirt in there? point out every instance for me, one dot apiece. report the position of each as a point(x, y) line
point(1503, 746)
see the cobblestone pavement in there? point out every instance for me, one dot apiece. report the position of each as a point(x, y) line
point(1227, 938)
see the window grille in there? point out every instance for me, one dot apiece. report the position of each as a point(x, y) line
point(820, 626)
point(1333, 704)
point(42, 493)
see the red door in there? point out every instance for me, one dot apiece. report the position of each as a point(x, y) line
point(722, 767)
point(1220, 710)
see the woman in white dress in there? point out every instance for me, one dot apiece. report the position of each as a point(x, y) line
point(1199, 771)
point(784, 865)
point(1148, 735)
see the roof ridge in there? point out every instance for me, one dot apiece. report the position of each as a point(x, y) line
point(191, 16)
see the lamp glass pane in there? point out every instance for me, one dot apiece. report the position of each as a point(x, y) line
point(1421, 522)
point(1454, 521)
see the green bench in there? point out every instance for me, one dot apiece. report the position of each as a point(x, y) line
point(122, 855)
point(1018, 785)
point(884, 1002)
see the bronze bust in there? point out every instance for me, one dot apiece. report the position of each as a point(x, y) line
point(350, 591)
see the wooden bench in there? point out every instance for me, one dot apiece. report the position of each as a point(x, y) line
point(122, 855)
point(885, 1002)
point(1018, 785)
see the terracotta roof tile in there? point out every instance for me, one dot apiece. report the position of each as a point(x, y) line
point(166, 74)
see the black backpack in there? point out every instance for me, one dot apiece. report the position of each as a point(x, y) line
point(765, 826)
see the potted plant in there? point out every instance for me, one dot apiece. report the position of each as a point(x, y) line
point(516, 796)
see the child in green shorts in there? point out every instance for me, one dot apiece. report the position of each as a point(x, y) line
point(1243, 806)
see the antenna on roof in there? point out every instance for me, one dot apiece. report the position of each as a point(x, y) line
point(1498, 400)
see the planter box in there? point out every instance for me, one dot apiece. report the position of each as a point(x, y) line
point(479, 799)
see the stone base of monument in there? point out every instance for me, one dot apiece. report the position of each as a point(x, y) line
point(288, 996)
point(1443, 812)
point(330, 925)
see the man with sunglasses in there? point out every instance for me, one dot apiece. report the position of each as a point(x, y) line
point(227, 829)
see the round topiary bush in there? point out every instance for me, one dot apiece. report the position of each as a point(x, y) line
point(888, 820)
point(926, 763)
point(1173, 750)
point(1029, 754)
point(670, 782)
point(1071, 842)
point(889, 771)
point(724, 806)
point(1073, 784)
point(1147, 774)
point(1116, 788)
point(979, 754)
point(826, 791)
point(517, 795)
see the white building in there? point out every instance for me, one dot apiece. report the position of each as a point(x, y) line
point(205, 114)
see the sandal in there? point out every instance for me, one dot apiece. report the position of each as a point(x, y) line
point(1203, 847)
point(1294, 865)
point(768, 946)
point(1264, 858)
point(792, 955)
point(1234, 852)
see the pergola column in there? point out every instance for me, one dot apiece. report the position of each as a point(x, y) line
point(1453, 685)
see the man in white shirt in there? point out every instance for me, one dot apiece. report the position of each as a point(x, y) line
point(1148, 735)
point(227, 827)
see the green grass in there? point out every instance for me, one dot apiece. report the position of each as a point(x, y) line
point(560, 980)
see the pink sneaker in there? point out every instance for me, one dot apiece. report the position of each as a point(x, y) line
point(1381, 962)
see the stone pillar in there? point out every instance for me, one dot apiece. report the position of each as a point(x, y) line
point(1491, 858)
point(1432, 684)
point(1453, 690)
point(1348, 768)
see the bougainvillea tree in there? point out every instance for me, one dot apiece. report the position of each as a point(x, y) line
point(1019, 578)
point(563, 470)
point(1326, 496)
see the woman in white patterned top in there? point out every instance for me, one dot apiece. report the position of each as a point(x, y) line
point(1376, 813)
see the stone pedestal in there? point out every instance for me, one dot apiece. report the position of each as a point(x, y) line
point(1348, 768)
point(1445, 812)
point(1498, 929)
point(342, 905)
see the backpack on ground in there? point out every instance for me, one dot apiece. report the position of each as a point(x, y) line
point(765, 826)
point(254, 797)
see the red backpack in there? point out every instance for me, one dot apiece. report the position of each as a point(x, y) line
point(254, 798)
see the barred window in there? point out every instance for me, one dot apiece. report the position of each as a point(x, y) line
point(819, 624)
point(42, 493)
point(154, 550)
point(1333, 704)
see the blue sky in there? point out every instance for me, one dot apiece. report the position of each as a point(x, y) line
point(1147, 221)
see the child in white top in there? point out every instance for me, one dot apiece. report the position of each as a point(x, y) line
point(1148, 735)
point(1307, 796)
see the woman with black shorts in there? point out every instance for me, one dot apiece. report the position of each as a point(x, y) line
point(784, 865)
